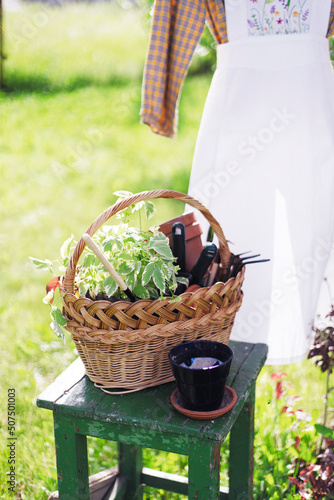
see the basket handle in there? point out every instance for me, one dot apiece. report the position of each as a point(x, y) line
point(225, 254)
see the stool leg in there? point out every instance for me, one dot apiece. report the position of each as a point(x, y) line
point(72, 462)
point(204, 470)
point(130, 464)
point(241, 462)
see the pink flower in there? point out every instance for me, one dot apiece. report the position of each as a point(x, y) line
point(278, 375)
point(279, 390)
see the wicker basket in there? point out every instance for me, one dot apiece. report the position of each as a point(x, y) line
point(125, 345)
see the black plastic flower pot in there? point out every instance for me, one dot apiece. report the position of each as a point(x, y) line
point(200, 369)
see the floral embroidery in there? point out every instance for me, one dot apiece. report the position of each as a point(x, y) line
point(276, 17)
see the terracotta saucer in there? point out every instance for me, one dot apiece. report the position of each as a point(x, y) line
point(228, 402)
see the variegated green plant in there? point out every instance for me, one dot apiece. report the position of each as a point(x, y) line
point(142, 258)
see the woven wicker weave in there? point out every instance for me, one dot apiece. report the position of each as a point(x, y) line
point(125, 345)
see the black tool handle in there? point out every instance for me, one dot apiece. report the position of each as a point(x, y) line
point(179, 245)
point(203, 262)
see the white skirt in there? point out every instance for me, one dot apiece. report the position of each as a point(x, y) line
point(264, 167)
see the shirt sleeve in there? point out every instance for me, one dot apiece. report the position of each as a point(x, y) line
point(176, 30)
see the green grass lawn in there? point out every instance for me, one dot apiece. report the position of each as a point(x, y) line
point(69, 137)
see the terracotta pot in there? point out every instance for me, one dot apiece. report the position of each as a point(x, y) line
point(193, 233)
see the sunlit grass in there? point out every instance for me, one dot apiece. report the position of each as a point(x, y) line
point(55, 48)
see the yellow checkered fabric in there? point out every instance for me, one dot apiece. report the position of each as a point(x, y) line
point(177, 27)
point(176, 30)
point(331, 21)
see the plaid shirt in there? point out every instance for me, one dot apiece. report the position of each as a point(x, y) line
point(177, 27)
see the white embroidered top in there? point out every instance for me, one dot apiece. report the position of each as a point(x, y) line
point(276, 17)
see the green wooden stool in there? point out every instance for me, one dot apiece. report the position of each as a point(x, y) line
point(148, 419)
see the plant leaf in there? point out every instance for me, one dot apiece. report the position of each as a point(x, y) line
point(58, 330)
point(176, 298)
point(161, 246)
point(158, 279)
point(167, 269)
point(122, 194)
point(137, 206)
point(119, 243)
point(82, 289)
point(153, 292)
point(149, 209)
point(183, 280)
point(110, 286)
point(325, 431)
point(65, 249)
point(141, 292)
point(125, 256)
point(138, 266)
point(131, 280)
point(148, 273)
point(89, 260)
point(107, 244)
point(42, 265)
point(58, 317)
point(126, 268)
